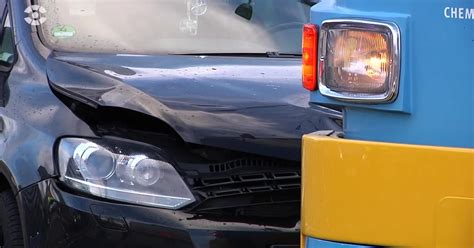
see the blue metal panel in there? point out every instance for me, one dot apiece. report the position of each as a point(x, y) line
point(317, 243)
point(435, 105)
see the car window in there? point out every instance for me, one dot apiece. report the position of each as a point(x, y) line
point(175, 26)
point(7, 49)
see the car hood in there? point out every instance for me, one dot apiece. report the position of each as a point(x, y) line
point(247, 104)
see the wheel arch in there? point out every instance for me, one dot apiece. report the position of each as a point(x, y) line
point(7, 180)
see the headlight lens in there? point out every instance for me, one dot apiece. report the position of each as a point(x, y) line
point(121, 171)
point(359, 60)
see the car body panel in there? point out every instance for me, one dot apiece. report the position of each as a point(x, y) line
point(42, 104)
point(242, 103)
point(60, 218)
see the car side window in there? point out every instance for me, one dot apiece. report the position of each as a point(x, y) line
point(7, 46)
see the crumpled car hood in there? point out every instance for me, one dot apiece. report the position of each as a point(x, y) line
point(245, 104)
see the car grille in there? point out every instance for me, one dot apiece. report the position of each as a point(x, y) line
point(246, 187)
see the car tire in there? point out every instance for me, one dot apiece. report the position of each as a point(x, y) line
point(10, 223)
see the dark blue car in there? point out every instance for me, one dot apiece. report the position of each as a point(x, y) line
point(152, 123)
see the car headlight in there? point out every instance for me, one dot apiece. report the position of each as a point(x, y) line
point(359, 60)
point(122, 171)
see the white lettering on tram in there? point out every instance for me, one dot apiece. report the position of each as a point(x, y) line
point(459, 13)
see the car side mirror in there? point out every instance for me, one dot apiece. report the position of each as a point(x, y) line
point(245, 10)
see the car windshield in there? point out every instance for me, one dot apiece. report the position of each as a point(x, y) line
point(174, 26)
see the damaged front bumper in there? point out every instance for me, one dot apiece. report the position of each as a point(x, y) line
point(54, 217)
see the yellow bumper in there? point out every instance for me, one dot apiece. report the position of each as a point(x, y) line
point(387, 194)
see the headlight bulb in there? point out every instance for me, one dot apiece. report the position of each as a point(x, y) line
point(148, 172)
point(140, 170)
point(94, 162)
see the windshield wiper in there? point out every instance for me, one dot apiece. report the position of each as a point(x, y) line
point(267, 55)
point(282, 55)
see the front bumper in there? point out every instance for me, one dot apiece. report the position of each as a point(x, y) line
point(53, 217)
point(387, 194)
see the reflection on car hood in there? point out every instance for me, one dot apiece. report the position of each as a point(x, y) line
point(241, 103)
